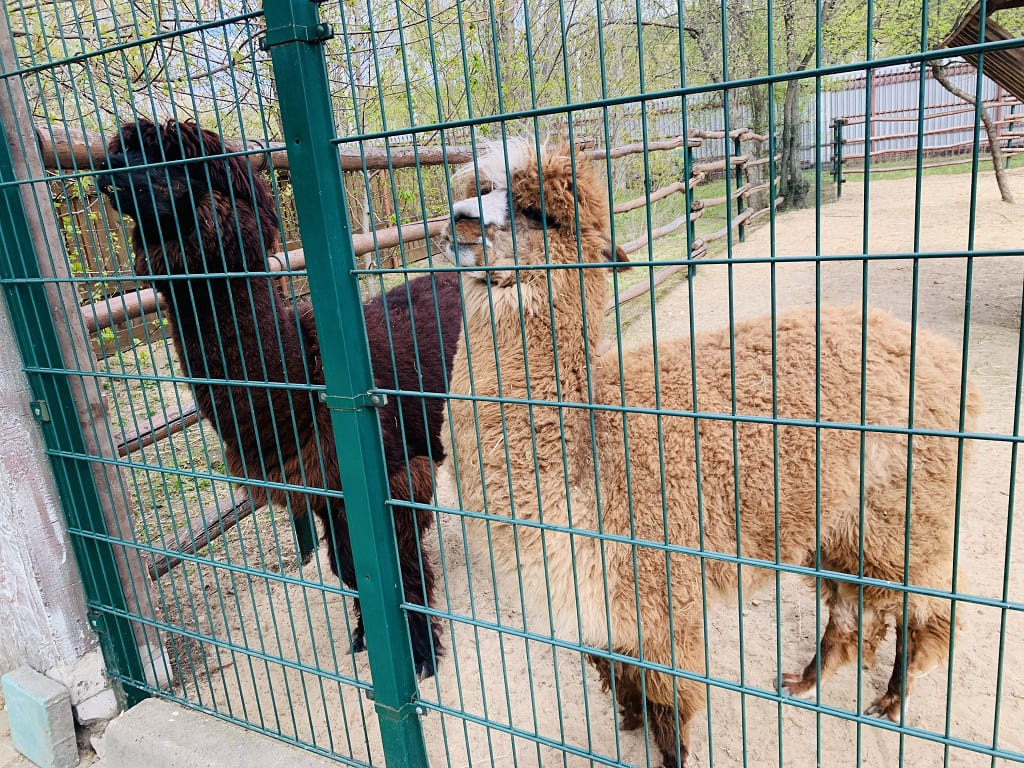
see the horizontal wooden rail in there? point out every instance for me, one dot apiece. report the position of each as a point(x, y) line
point(743, 134)
point(641, 147)
point(73, 150)
point(763, 161)
point(960, 161)
point(658, 194)
point(227, 512)
point(719, 165)
point(698, 249)
point(736, 194)
point(103, 314)
point(164, 425)
point(635, 245)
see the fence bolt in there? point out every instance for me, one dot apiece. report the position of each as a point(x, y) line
point(370, 696)
point(323, 396)
point(420, 711)
point(40, 411)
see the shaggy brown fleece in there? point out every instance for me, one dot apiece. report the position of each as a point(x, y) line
point(673, 479)
point(200, 228)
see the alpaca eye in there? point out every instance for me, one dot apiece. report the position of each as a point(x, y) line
point(486, 187)
point(534, 216)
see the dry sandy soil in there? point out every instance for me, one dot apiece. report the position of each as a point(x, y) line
point(525, 687)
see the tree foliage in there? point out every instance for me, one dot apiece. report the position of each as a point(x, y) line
point(399, 64)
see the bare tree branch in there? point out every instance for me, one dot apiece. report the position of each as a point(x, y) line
point(939, 72)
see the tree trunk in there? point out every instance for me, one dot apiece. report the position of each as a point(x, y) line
point(939, 71)
point(793, 185)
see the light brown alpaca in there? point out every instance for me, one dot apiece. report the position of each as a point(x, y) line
point(538, 463)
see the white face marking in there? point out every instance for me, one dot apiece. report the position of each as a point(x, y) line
point(487, 210)
point(491, 209)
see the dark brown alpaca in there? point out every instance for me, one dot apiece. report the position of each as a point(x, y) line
point(200, 229)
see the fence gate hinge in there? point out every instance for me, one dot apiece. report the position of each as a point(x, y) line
point(404, 711)
point(296, 33)
point(98, 622)
point(40, 411)
point(366, 400)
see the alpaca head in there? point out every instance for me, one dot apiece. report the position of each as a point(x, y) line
point(154, 176)
point(520, 207)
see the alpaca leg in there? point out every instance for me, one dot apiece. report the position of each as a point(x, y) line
point(339, 555)
point(417, 584)
point(417, 570)
point(670, 723)
point(628, 692)
point(924, 646)
point(838, 644)
point(875, 630)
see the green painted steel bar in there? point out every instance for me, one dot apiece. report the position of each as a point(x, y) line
point(294, 37)
point(837, 154)
point(29, 309)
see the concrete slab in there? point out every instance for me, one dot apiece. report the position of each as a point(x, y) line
point(11, 758)
point(39, 712)
point(160, 734)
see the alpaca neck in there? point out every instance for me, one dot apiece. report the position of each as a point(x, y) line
point(560, 331)
point(234, 328)
point(548, 371)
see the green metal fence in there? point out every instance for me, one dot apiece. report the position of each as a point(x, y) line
point(651, 488)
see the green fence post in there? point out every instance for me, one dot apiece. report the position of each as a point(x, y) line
point(837, 154)
point(737, 149)
point(691, 224)
point(54, 407)
point(295, 37)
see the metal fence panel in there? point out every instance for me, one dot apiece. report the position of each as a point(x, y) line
point(352, 279)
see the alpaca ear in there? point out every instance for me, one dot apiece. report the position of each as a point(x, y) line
point(559, 197)
point(619, 257)
point(249, 188)
point(142, 133)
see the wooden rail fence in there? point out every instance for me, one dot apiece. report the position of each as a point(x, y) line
point(71, 150)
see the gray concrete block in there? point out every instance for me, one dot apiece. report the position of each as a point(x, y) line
point(39, 714)
point(160, 734)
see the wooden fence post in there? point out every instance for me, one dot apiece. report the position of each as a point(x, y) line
point(75, 349)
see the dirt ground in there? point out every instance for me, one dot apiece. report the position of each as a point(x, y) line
point(526, 688)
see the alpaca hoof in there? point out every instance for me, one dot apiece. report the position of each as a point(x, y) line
point(669, 761)
point(358, 641)
point(887, 706)
point(630, 720)
point(425, 668)
point(797, 687)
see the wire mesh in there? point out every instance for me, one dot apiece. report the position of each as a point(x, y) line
point(651, 488)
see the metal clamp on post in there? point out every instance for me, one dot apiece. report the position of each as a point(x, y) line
point(342, 403)
point(409, 709)
point(296, 33)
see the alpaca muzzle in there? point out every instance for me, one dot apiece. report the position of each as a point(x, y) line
point(466, 243)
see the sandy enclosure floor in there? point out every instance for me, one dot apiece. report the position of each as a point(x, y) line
point(524, 686)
